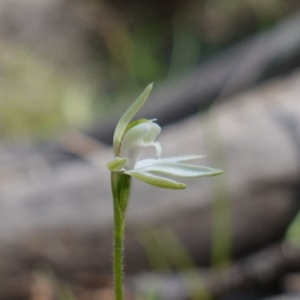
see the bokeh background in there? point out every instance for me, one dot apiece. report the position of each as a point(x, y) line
point(68, 69)
point(67, 63)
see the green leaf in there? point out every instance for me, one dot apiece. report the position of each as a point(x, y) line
point(158, 181)
point(293, 232)
point(116, 164)
point(127, 116)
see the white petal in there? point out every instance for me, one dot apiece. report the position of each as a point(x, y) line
point(150, 161)
point(154, 132)
point(157, 146)
point(181, 170)
point(134, 138)
point(158, 181)
point(146, 162)
point(182, 158)
point(149, 139)
point(133, 142)
point(127, 116)
point(138, 137)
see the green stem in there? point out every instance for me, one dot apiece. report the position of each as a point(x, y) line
point(120, 185)
point(118, 254)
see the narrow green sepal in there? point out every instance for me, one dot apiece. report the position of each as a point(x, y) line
point(116, 164)
point(127, 116)
point(158, 181)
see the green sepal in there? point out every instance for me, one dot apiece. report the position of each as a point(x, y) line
point(127, 116)
point(158, 181)
point(116, 164)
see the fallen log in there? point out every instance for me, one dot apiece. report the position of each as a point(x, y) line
point(243, 65)
point(240, 67)
point(252, 274)
point(284, 297)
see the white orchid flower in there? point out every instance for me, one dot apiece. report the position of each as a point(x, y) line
point(130, 138)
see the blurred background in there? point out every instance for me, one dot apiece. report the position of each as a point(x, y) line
point(66, 64)
point(226, 85)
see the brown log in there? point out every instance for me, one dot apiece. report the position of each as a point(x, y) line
point(247, 63)
point(249, 275)
point(284, 297)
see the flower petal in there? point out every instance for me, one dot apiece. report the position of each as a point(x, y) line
point(158, 181)
point(134, 123)
point(181, 170)
point(134, 138)
point(181, 158)
point(154, 132)
point(116, 164)
point(138, 137)
point(133, 142)
point(127, 116)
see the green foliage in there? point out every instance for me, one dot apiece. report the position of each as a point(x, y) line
point(293, 232)
point(132, 45)
point(165, 251)
point(37, 99)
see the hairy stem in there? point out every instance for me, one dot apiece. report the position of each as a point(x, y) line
point(120, 184)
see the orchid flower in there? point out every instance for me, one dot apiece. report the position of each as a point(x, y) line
point(131, 138)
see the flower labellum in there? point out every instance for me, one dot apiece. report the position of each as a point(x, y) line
point(130, 138)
